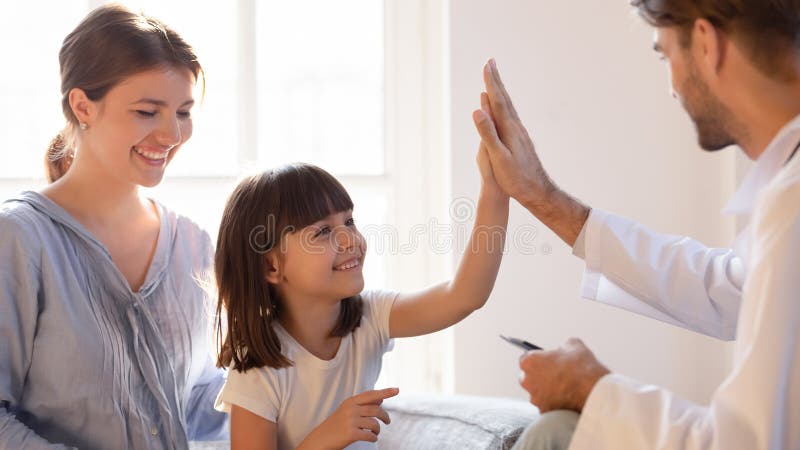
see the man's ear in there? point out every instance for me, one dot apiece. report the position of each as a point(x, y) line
point(82, 107)
point(272, 268)
point(709, 45)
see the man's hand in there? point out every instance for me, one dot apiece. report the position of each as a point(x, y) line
point(516, 166)
point(561, 378)
point(514, 160)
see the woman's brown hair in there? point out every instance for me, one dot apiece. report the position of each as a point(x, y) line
point(259, 212)
point(768, 30)
point(109, 45)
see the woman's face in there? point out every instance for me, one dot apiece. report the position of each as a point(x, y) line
point(139, 125)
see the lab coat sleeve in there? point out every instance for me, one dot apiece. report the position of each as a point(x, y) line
point(671, 278)
point(758, 405)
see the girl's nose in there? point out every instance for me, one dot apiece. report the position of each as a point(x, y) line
point(346, 239)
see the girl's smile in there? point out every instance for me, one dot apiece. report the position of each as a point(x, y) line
point(352, 264)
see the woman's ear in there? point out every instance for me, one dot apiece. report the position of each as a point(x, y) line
point(82, 107)
point(272, 268)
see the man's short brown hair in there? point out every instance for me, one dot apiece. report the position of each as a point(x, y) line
point(768, 30)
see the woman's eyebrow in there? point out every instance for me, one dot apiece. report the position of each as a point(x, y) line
point(157, 102)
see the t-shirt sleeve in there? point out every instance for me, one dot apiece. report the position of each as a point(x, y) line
point(377, 308)
point(256, 390)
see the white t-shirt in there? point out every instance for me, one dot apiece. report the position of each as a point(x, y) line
point(300, 397)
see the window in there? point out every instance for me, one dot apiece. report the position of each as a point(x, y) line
point(355, 86)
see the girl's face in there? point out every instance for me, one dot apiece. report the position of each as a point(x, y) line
point(138, 127)
point(323, 260)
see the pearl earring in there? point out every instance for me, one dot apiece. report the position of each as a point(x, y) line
point(83, 126)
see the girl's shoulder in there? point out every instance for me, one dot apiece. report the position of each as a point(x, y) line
point(374, 297)
point(259, 389)
point(377, 308)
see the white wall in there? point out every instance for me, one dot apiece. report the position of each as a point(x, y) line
point(595, 98)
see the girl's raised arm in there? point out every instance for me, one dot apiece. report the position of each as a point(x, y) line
point(446, 304)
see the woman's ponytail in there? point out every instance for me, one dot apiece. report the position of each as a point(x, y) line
point(59, 156)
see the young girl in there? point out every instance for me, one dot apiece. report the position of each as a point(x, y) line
point(304, 343)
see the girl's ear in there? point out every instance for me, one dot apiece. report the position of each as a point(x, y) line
point(272, 268)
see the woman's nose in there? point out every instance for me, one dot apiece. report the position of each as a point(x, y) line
point(169, 134)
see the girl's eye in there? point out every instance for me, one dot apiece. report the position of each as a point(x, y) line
point(184, 114)
point(145, 113)
point(350, 222)
point(324, 230)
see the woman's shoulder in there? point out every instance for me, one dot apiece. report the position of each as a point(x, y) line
point(183, 223)
point(23, 233)
point(189, 237)
point(19, 220)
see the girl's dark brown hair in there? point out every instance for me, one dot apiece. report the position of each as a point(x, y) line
point(258, 213)
point(109, 45)
point(769, 30)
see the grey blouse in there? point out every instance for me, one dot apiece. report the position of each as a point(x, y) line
point(84, 361)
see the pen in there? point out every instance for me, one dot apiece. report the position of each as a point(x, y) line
point(525, 345)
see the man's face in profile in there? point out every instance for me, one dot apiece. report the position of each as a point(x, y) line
point(712, 119)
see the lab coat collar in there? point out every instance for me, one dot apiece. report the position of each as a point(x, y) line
point(765, 168)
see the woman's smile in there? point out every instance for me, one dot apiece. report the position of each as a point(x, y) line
point(153, 156)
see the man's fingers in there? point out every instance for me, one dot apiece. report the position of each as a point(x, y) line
point(574, 342)
point(530, 356)
point(494, 76)
point(369, 397)
point(500, 101)
point(497, 101)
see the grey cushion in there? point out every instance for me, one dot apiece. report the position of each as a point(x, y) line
point(443, 422)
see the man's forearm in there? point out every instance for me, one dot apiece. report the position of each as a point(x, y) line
point(559, 211)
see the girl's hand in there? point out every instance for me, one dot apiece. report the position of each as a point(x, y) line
point(356, 419)
point(489, 183)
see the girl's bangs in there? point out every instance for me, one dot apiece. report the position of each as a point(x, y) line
point(309, 194)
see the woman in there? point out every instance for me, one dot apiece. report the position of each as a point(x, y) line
point(103, 316)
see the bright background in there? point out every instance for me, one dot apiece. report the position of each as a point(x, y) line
point(380, 94)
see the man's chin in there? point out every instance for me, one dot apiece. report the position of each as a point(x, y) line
point(713, 146)
point(713, 140)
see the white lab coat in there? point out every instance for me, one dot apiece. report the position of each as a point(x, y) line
point(751, 293)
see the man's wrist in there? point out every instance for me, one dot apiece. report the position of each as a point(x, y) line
point(557, 210)
point(536, 199)
point(588, 386)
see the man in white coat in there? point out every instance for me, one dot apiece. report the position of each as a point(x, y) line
point(735, 67)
